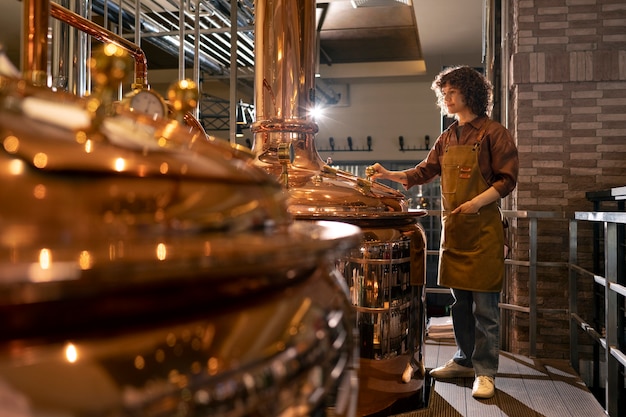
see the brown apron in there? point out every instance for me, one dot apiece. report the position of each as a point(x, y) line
point(471, 255)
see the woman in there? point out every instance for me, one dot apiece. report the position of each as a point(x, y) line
point(477, 161)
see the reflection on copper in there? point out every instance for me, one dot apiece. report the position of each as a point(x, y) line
point(85, 260)
point(40, 160)
point(207, 248)
point(170, 339)
point(170, 130)
point(68, 115)
point(71, 353)
point(11, 144)
point(120, 165)
point(139, 362)
point(16, 167)
point(108, 218)
point(196, 367)
point(161, 252)
point(301, 312)
point(213, 365)
point(81, 136)
point(39, 191)
point(142, 170)
point(45, 258)
point(35, 42)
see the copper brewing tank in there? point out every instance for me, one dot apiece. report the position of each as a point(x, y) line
point(147, 270)
point(386, 273)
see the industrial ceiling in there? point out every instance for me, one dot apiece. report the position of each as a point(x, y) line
point(377, 38)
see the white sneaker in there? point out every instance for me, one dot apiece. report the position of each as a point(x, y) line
point(452, 370)
point(484, 387)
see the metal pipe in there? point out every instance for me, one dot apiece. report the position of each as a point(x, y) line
point(504, 61)
point(233, 74)
point(181, 43)
point(285, 69)
point(138, 23)
point(104, 35)
point(35, 56)
point(285, 82)
point(196, 55)
point(62, 72)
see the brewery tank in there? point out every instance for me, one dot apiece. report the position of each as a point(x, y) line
point(386, 273)
point(149, 270)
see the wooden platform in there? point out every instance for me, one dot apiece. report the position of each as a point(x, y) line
point(524, 388)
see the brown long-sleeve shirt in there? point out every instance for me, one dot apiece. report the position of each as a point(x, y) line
point(498, 157)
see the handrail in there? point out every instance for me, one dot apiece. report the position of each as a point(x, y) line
point(532, 264)
point(614, 356)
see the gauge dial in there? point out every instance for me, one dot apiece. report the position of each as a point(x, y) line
point(149, 103)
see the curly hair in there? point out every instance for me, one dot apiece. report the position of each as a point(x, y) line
point(475, 88)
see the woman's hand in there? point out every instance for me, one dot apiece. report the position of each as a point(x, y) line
point(472, 206)
point(466, 208)
point(377, 171)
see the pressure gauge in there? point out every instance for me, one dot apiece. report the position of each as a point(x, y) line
point(148, 103)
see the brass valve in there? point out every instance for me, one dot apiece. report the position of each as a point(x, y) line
point(183, 97)
point(285, 158)
point(109, 65)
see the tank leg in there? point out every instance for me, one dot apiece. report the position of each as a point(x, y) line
point(416, 336)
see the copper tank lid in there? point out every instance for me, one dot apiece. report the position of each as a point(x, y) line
point(99, 202)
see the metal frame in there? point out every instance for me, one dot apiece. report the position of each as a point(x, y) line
point(532, 264)
point(614, 297)
point(611, 340)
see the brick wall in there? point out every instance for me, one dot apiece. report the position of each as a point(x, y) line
point(568, 114)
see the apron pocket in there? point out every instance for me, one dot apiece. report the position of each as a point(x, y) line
point(461, 232)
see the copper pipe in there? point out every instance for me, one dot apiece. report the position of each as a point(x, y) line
point(284, 62)
point(285, 82)
point(35, 41)
point(285, 59)
point(104, 35)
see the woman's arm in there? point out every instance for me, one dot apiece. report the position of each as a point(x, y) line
point(377, 171)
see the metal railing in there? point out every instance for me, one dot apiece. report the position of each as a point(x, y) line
point(611, 339)
point(532, 264)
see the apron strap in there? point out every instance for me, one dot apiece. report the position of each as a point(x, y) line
point(481, 134)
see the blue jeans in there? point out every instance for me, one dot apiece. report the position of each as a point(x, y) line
point(476, 323)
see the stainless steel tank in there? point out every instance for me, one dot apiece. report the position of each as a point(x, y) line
point(148, 270)
point(386, 273)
